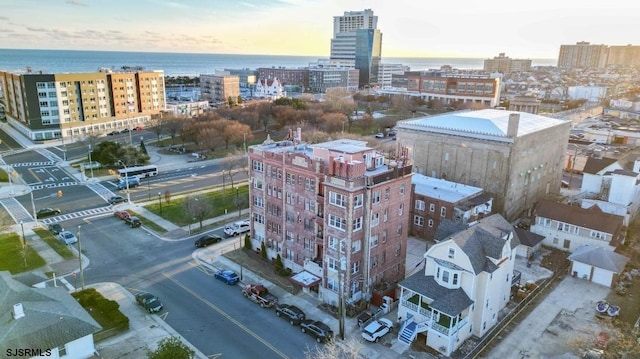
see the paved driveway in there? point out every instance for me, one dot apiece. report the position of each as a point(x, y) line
point(568, 312)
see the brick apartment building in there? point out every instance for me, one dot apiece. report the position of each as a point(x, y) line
point(336, 212)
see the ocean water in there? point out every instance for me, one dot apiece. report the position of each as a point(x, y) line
point(187, 64)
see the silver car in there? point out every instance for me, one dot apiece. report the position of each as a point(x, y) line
point(67, 237)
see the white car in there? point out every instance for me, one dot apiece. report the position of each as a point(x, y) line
point(377, 329)
point(237, 228)
point(379, 135)
point(67, 237)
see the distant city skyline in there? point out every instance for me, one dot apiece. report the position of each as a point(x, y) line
point(458, 29)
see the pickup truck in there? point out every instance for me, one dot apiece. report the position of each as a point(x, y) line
point(259, 294)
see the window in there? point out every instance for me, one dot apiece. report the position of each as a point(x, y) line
point(452, 252)
point(384, 237)
point(398, 249)
point(257, 166)
point(376, 197)
point(399, 230)
point(431, 223)
point(597, 235)
point(357, 201)
point(385, 216)
point(337, 199)
point(373, 241)
point(386, 193)
point(333, 264)
point(375, 219)
point(455, 279)
point(337, 222)
point(357, 224)
point(432, 207)
point(258, 184)
point(258, 202)
point(564, 227)
point(418, 221)
point(566, 244)
point(402, 188)
point(332, 284)
point(258, 218)
point(420, 205)
point(546, 222)
point(445, 276)
point(400, 209)
point(333, 242)
point(356, 246)
point(443, 211)
point(355, 267)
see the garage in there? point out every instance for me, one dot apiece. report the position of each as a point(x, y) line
point(597, 265)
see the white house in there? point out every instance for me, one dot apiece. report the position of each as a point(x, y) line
point(48, 320)
point(569, 227)
point(597, 265)
point(269, 88)
point(614, 189)
point(466, 282)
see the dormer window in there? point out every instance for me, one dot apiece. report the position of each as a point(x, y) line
point(447, 277)
point(452, 252)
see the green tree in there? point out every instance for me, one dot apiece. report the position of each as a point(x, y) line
point(239, 100)
point(247, 242)
point(143, 148)
point(231, 101)
point(171, 348)
point(263, 250)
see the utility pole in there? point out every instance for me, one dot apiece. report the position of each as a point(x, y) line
point(80, 258)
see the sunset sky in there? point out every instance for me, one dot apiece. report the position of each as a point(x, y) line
point(410, 28)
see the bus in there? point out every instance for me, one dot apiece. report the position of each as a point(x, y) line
point(138, 171)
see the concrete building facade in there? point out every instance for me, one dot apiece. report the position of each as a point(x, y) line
point(217, 88)
point(321, 79)
point(286, 76)
point(506, 65)
point(49, 106)
point(583, 54)
point(516, 157)
point(337, 211)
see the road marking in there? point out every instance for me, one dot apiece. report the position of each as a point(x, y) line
point(221, 312)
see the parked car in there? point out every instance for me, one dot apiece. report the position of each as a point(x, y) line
point(149, 302)
point(379, 135)
point(117, 199)
point(122, 214)
point(55, 228)
point(207, 240)
point(237, 228)
point(227, 276)
point(67, 237)
point(377, 329)
point(291, 313)
point(47, 212)
point(317, 329)
point(133, 222)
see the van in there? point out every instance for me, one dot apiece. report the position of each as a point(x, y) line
point(133, 182)
point(237, 228)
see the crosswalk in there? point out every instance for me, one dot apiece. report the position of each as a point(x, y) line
point(16, 210)
point(53, 185)
point(78, 214)
point(34, 164)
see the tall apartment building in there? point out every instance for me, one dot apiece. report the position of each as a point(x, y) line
point(336, 212)
point(627, 55)
point(583, 54)
point(357, 39)
point(48, 106)
point(386, 72)
point(321, 79)
point(506, 65)
point(217, 88)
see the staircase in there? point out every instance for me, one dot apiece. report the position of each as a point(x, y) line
point(408, 333)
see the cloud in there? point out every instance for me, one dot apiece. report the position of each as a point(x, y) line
point(4, 18)
point(37, 29)
point(76, 3)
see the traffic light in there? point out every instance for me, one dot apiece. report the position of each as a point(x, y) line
point(60, 193)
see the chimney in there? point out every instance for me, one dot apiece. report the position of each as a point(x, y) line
point(514, 122)
point(18, 311)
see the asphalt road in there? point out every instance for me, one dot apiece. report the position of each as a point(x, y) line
point(213, 316)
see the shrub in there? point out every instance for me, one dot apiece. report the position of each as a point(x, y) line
point(247, 242)
point(263, 251)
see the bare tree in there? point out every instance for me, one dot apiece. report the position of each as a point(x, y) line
point(174, 125)
point(349, 349)
point(197, 208)
point(158, 126)
point(236, 162)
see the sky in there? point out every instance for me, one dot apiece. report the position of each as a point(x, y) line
point(410, 28)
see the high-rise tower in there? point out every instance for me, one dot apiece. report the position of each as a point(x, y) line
point(356, 40)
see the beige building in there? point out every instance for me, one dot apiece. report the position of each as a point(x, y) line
point(627, 55)
point(48, 106)
point(336, 212)
point(583, 54)
point(219, 87)
point(516, 157)
point(506, 65)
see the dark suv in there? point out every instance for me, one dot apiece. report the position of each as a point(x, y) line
point(317, 329)
point(207, 240)
point(133, 222)
point(290, 312)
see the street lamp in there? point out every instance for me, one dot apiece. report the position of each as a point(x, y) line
point(24, 244)
point(160, 202)
point(80, 258)
point(244, 142)
point(126, 178)
point(238, 202)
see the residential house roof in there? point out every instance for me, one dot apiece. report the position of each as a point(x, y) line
point(599, 257)
point(442, 189)
point(449, 301)
point(595, 165)
point(447, 228)
point(592, 218)
point(625, 173)
point(528, 238)
point(469, 203)
point(52, 317)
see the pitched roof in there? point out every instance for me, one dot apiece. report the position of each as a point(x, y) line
point(595, 165)
point(592, 218)
point(625, 173)
point(528, 238)
point(446, 228)
point(449, 301)
point(52, 317)
point(599, 257)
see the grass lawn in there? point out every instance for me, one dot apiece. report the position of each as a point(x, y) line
point(220, 202)
point(54, 243)
point(147, 222)
point(13, 258)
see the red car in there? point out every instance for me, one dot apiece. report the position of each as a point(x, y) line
point(122, 214)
